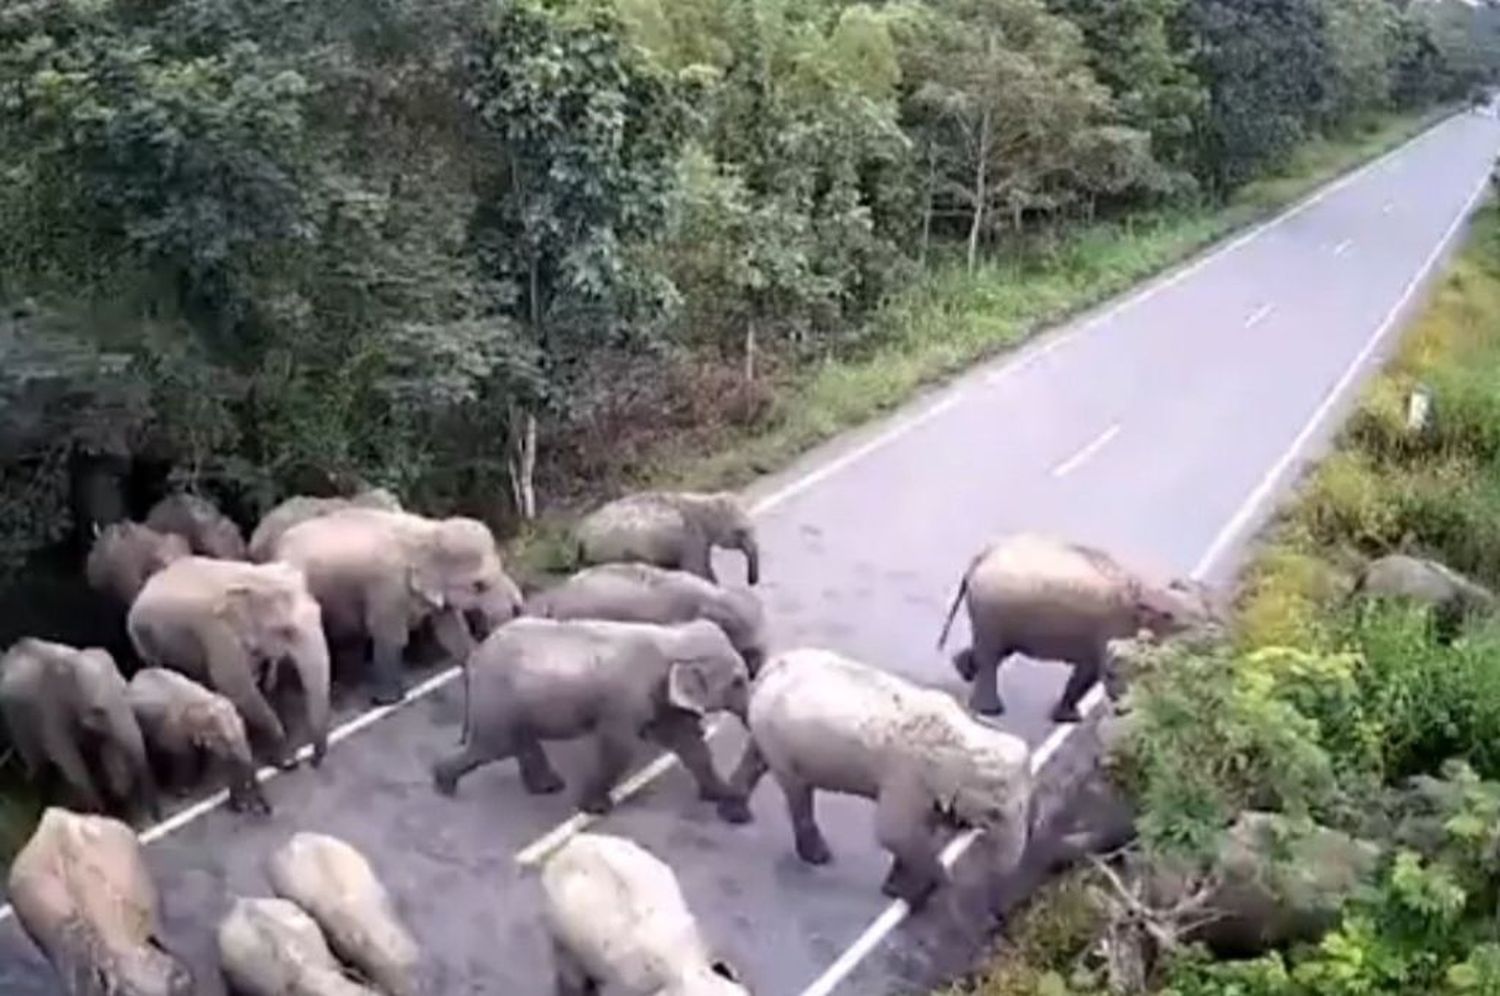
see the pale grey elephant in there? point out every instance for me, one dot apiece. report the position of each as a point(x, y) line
point(1453, 596)
point(335, 884)
point(68, 709)
point(819, 720)
point(1052, 599)
point(231, 624)
point(208, 531)
point(302, 507)
point(675, 529)
point(380, 574)
point(125, 555)
point(81, 891)
point(620, 924)
point(190, 728)
point(271, 947)
point(538, 679)
point(638, 592)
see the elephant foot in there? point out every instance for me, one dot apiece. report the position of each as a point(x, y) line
point(963, 663)
point(993, 707)
point(597, 805)
point(1066, 714)
point(813, 849)
point(446, 782)
point(543, 783)
point(288, 761)
point(915, 890)
point(735, 810)
point(385, 694)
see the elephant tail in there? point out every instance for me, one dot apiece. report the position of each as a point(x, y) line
point(963, 590)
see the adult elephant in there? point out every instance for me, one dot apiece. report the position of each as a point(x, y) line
point(208, 531)
point(125, 555)
point(1453, 596)
point(300, 508)
point(1052, 599)
point(227, 623)
point(675, 529)
point(379, 574)
point(69, 709)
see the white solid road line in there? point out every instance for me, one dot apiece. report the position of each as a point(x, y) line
point(1083, 456)
point(1259, 315)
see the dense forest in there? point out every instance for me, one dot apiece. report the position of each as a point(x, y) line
point(483, 251)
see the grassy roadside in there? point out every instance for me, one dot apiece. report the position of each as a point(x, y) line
point(953, 319)
point(1323, 705)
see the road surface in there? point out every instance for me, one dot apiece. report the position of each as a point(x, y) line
point(1159, 427)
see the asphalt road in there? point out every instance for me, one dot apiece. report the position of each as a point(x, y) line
point(1158, 427)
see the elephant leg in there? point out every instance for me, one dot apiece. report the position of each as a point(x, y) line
point(903, 826)
point(683, 736)
point(986, 658)
point(447, 771)
point(537, 773)
point(752, 767)
point(572, 978)
point(697, 558)
point(183, 770)
point(616, 746)
point(811, 847)
point(389, 631)
point(65, 756)
point(1085, 673)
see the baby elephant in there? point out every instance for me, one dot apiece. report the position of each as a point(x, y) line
point(1051, 599)
point(648, 594)
point(1453, 596)
point(676, 529)
point(336, 885)
point(821, 721)
point(125, 555)
point(270, 947)
point(207, 530)
point(187, 725)
point(537, 679)
point(81, 891)
point(619, 923)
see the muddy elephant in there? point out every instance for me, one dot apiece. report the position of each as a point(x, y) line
point(619, 924)
point(69, 709)
point(380, 574)
point(301, 508)
point(539, 679)
point(644, 593)
point(1052, 599)
point(334, 883)
point(820, 721)
point(675, 529)
point(1453, 596)
point(271, 947)
point(82, 893)
point(189, 728)
point(208, 531)
point(125, 555)
point(232, 625)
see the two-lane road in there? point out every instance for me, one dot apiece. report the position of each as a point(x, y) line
point(1159, 427)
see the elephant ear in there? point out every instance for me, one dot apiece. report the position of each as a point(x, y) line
point(691, 686)
point(426, 584)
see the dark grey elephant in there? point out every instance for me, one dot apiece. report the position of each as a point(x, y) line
point(380, 574)
point(538, 679)
point(68, 709)
point(208, 531)
point(190, 728)
point(300, 508)
point(644, 593)
point(819, 720)
point(230, 624)
point(81, 891)
point(676, 529)
point(1052, 599)
point(125, 555)
point(1452, 595)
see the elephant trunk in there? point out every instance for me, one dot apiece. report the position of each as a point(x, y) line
point(751, 549)
point(126, 733)
point(310, 658)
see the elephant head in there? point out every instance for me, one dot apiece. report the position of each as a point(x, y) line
point(704, 671)
point(724, 519)
point(740, 615)
point(276, 619)
point(126, 554)
point(208, 531)
point(455, 564)
point(1170, 609)
point(216, 726)
point(979, 774)
point(95, 691)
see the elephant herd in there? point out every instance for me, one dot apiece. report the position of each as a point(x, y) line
point(640, 644)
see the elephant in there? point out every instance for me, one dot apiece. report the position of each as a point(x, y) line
point(81, 891)
point(1053, 599)
point(125, 555)
point(380, 574)
point(227, 623)
point(637, 592)
point(618, 922)
point(208, 531)
point(301, 508)
point(676, 529)
point(186, 724)
point(271, 947)
point(63, 707)
point(336, 886)
point(1400, 576)
point(542, 679)
point(819, 720)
